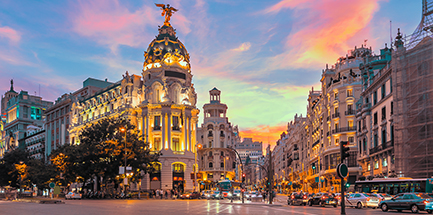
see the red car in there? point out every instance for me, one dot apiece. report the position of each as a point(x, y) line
point(189, 195)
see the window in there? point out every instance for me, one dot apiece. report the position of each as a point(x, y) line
point(364, 144)
point(374, 97)
point(222, 164)
point(383, 136)
point(349, 93)
point(376, 164)
point(175, 123)
point(210, 154)
point(392, 108)
point(384, 113)
point(351, 139)
point(375, 140)
point(375, 118)
point(335, 95)
point(369, 167)
point(176, 145)
point(384, 162)
point(210, 165)
point(157, 146)
point(390, 85)
point(157, 123)
point(383, 91)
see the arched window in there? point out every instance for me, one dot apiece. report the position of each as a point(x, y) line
point(210, 165)
point(222, 154)
point(210, 127)
point(222, 127)
point(210, 134)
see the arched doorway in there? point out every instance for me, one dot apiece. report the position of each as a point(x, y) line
point(155, 177)
point(178, 176)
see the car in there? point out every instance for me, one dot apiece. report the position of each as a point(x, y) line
point(205, 194)
point(72, 195)
point(323, 199)
point(253, 194)
point(360, 200)
point(382, 196)
point(215, 195)
point(237, 194)
point(298, 199)
point(189, 195)
point(414, 202)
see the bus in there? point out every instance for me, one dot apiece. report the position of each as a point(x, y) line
point(394, 186)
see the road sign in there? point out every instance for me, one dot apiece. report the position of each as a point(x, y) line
point(52, 185)
point(342, 170)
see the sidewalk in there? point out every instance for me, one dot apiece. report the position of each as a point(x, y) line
point(39, 200)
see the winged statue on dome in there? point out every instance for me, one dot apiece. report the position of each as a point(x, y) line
point(167, 11)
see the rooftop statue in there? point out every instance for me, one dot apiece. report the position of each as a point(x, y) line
point(167, 11)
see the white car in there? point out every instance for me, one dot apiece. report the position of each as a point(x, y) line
point(360, 200)
point(72, 195)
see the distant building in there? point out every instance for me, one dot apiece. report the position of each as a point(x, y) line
point(248, 148)
point(35, 142)
point(216, 134)
point(59, 115)
point(21, 111)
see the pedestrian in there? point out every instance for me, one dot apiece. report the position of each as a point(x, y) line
point(166, 194)
point(162, 193)
point(157, 193)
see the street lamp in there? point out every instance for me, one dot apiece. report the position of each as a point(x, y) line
point(226, 158)
point(123, 130)
point(197, 147)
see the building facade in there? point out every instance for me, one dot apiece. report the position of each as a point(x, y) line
point(161, 103)
point(216, 135)
point(35, 142)
point(374, 112)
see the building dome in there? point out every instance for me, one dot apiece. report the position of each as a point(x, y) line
point(166, 49)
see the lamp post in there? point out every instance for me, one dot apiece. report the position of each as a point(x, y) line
point(197, 147)
point(123, 129)
point(225, 158)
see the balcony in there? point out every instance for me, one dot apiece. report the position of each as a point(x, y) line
point(175, 128)
point(335, 115)
point(381, 147)
point(350, 112)
point(344, 129)
point(157, 128)
point(315, 143)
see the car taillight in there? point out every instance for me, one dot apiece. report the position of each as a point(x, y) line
point(293, 197)
point(368, 198)
point(425, 201)
point(305, 197)
point(323, 197)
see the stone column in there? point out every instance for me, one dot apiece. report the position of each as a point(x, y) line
point(189, 134)
point(145, 182)
point(217, 137)
point(189, 185)
point(164, 146)
point(166, 174)
point(185, 132)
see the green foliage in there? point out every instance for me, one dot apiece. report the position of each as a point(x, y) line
point(101, 152)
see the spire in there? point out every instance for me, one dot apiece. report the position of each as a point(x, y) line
point(12, 85)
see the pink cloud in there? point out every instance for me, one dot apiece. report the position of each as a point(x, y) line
point(323, 30)
point(264, 133)
point(111, 23)
point(11, 34)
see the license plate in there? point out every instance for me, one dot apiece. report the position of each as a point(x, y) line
point(331, 202)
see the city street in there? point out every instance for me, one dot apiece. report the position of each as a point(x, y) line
point(152, 206)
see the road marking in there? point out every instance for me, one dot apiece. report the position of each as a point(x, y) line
point(292, 211)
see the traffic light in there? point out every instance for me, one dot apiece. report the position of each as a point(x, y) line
point(344, 150)
point(243, 177)
point(313, 166)
point(347, 185)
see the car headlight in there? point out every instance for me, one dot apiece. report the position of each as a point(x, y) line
point(207, 195)
point(229, 194)
point(187, 195)
point(217, 195)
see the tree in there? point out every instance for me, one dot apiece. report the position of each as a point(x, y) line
point(12, 169)
point(102, 151)
point(40, 173)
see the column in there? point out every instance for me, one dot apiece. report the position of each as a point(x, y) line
point(164, 146)
point(166, 175)
point(185, 132)
point(190, 133)
point(145, 182)
point(217, 137)
point(169, 130)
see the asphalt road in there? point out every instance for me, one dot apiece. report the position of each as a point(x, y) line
point(191, 207)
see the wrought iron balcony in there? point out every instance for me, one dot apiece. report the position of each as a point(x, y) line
point(381, 147)
point(335, 115)
point(344, 129)
point(350, 112)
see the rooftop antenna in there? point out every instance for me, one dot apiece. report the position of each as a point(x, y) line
point(390, 33)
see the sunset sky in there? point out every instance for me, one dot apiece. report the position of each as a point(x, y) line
point(263, 55)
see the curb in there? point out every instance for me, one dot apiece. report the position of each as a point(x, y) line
point(273, 205)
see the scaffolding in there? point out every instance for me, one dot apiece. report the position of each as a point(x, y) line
point(412, 78)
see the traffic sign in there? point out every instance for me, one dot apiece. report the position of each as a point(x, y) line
point(52, 185)
point(342, 170)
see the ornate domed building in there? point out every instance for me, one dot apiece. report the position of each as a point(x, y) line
point(161, 104)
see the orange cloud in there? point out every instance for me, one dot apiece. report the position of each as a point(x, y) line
point(264, 133)
point(11, 34)
point(322, 29)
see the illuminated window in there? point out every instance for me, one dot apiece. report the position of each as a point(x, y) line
point(178, 167)
point(349, 93)
point(384, 162)
point(376, 164)
point(157, 146)
point(157, 123)
point(368, 167)
point(176, 145)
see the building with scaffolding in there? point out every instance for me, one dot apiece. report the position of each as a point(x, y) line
point(412, 79)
